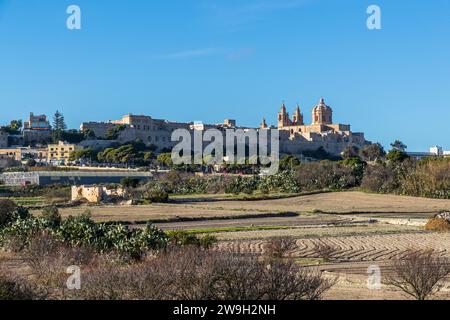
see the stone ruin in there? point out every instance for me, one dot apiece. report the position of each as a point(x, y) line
point(97, 194)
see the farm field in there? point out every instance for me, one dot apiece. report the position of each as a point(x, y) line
point(342, 203)
point(360, 230)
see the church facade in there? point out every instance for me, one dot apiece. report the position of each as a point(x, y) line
point(296, 136)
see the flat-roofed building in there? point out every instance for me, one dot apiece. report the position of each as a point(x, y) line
point(13, 153)
point(36, 129)
point(60, 153)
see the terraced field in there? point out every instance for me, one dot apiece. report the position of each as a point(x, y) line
point(356, 248)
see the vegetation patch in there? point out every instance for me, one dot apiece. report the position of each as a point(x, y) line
point(438, 224)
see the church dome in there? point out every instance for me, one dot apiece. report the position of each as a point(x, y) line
point(322, 114)
point(322, 106)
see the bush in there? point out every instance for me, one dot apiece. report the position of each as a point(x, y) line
point(379, 178)
point(428, 178)
point(51, 214)
point(325, 175)
point(183, 238)
point(438, 224)
point(17, 235)
point(9, 212)
point(156, 194)
point(81, 231)
point(129, 182)
point(17, 289)
point(190, 273)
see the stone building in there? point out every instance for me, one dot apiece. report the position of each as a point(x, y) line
point(296, 136)
point(36, 129)
point(13, 153)
point(132, 127)
point(151, 131)
point(96, 194)
point(3, 139)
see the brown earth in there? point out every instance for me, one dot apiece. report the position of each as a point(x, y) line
point(338, 202)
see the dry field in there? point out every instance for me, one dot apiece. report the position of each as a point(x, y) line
point(341, 221)
point(332, 203)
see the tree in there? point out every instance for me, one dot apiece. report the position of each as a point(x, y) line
point(16, 125)
point(114, 132)
point(420, 274)
point(51, 214)
point(89, 134)
point(59, 126)
point(83, 154)
point(73, 136)
point(373, 152)
point(165, 159)
point(350, 152)
point(289, 162)
point(398, 145)
point(397, 156)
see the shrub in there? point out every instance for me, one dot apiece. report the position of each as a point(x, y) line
point(325, 175)
point(156, 194)
point(428, 178)
point(17, 235)
point(49, 258)
point(51, 214)
point(129, 182)
point(437, 224)
point(9, 212)
point(183, 238)
point(379, 178)
point(17, 289)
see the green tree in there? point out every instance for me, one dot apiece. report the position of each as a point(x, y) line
point(289, 162)
point(350, 152)
point(165, 159)
point(398, 145)
point(114, 132)
point(59, 126)
point(373, 152)
point(397, 156)
point(16, 125)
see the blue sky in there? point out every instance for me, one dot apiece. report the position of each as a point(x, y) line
point(207, 60)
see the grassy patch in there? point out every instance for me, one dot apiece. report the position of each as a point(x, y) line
point(238, 229)
point(26, 201)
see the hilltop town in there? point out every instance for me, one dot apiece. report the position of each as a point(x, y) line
point(36, 141)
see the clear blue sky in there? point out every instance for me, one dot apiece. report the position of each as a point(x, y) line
point(206, 60)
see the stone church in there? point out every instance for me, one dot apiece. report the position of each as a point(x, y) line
point(296, 136)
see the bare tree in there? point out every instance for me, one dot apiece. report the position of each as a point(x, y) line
point(419, 274)
point(324, 250)
point(279, 247)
